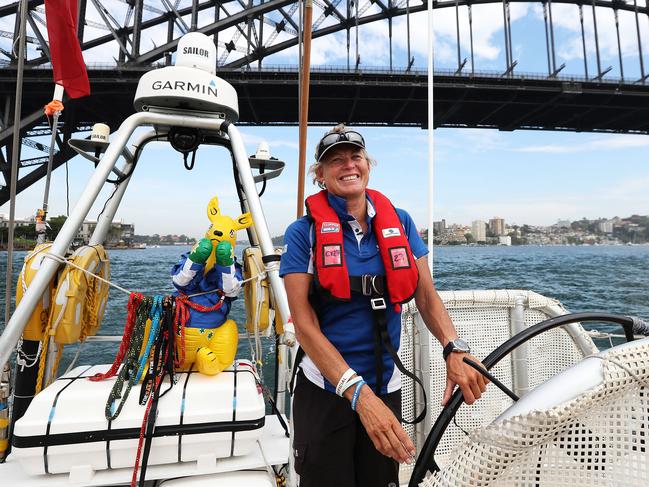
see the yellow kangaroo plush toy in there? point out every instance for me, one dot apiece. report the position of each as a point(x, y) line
point(210, 275)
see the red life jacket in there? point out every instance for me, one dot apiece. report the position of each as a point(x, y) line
point(331, 270)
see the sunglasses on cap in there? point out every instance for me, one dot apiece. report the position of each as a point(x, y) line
point(335, 138)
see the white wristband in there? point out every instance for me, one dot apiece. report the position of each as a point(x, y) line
point(343, 380)
point(350, 383)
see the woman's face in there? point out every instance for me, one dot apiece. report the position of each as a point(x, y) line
point(344, 171)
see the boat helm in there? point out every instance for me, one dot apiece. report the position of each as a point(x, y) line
point(191, 84)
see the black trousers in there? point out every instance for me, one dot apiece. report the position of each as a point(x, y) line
point(331, 447)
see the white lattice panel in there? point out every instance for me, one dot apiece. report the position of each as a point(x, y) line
point(595, 436)
point(483, 318)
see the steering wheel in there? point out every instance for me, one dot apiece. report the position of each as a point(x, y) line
point(426, 459)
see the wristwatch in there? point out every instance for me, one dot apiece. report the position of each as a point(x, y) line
point(457, 345)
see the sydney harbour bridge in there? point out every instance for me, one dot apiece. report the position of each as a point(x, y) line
point(575, 65)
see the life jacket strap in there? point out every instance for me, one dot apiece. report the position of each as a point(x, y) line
point(382, 337)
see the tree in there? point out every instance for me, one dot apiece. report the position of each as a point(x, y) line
point(56, 223)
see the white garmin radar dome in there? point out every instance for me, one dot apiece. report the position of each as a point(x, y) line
point(189, 85)
point(196, 50)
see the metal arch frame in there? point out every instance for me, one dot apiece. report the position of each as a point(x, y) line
point(256, 51)
point(126, 34)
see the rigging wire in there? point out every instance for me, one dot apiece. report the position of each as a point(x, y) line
point(67, 190)
point(15, 155)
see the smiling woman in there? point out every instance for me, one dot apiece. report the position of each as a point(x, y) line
point(347, 268)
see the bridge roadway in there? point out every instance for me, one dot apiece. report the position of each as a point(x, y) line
point(367, 97)
point(377, 97)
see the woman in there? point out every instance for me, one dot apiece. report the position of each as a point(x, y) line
point(347, 268)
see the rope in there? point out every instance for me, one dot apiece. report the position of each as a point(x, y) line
point(256, 352)
point(22, 357)
point(55, 367)
point(269, 469)
point(45, 343)
point(160, 366)
point(181, 317)
point(128, 372)
point(183, 300)
point(90, 318)
point(63, 260)
point(132, 306)
point(73, 362)
point(258, 277)
point(155, 316)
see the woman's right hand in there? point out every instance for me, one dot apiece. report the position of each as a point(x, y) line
point(383, 428)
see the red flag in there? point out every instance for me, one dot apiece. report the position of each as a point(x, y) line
point(67, 60)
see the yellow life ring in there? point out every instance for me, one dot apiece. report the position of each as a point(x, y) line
point(257, 295)
point(37, 322)
point(79, 302)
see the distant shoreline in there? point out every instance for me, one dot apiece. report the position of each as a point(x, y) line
point(21, 249)
point(3, 248)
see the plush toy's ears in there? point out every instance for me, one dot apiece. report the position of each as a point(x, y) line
point(243, 221)
point(213, 209)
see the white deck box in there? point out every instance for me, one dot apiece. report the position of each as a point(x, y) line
point(201, 418)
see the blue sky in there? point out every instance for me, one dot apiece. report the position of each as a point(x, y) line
point(523, 176)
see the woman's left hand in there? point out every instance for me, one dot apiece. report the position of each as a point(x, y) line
point(383, 428)
point(472, 382)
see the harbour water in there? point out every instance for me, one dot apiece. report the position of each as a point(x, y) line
point(584, 278)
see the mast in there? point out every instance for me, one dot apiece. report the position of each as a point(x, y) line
point(305, 66)
point(430, 137)
point(421, 350)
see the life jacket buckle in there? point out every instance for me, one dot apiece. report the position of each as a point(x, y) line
point(371, 285)
point(378, 303)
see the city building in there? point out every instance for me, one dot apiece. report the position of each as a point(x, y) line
point(505, 240)
point(497, 226)
point(18, 222)
point(479, 231)
point(606, 226)
point(439, 227)
point(120, 233)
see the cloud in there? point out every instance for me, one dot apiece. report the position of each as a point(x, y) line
point(568, 39)
point(610, 142)
point(254, 140)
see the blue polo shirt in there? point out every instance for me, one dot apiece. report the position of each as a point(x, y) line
point(349, 326)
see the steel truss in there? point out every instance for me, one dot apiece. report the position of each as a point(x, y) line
point(137, 34)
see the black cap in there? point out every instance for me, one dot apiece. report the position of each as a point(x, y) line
point(337, 136)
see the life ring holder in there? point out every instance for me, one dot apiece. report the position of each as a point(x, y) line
point(71, 320)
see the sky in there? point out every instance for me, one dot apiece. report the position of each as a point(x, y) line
point(528, 177)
